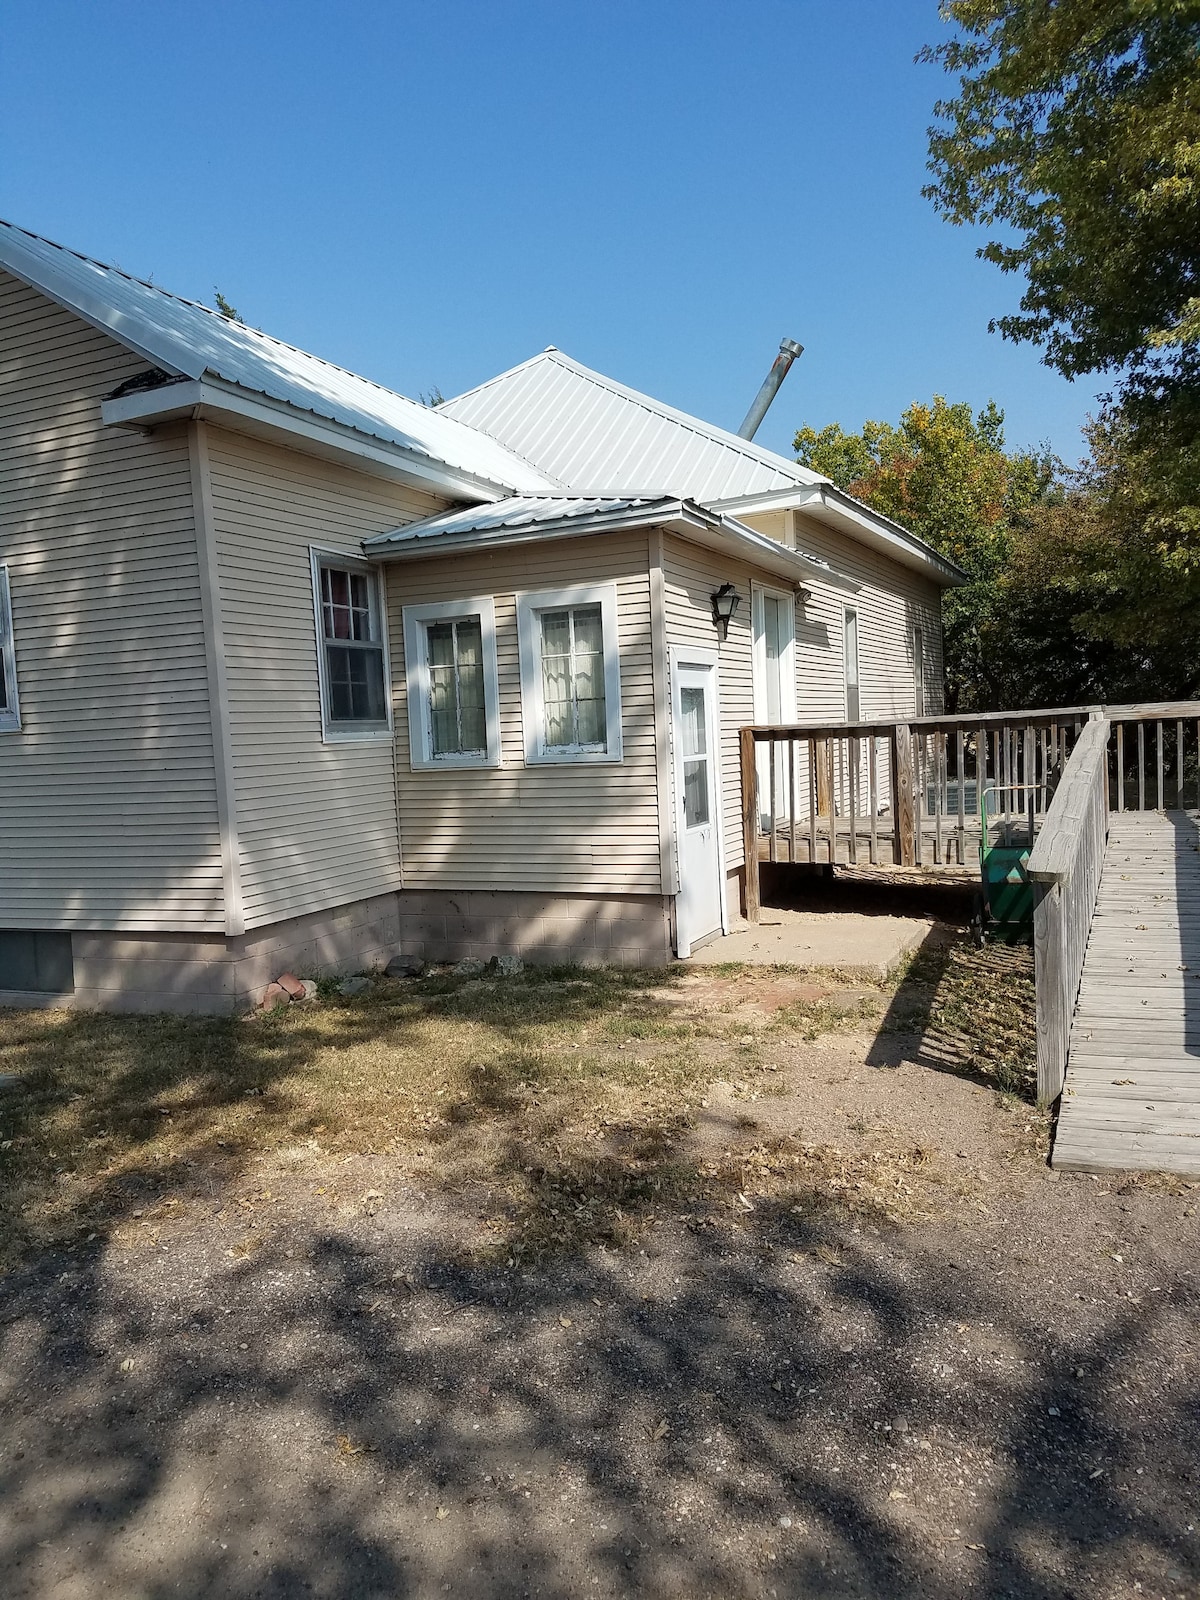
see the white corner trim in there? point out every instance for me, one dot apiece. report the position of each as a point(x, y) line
point(529, 607)
point(324, 555)
point(416, 677)
point(10, 717)
point(218, 687)
point(668, 843)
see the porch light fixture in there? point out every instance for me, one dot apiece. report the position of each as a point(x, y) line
point(725, 602)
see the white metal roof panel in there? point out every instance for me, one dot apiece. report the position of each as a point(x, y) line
point(596, 436)
point(518, 511)
point(186, 338)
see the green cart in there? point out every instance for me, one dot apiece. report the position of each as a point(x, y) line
point(1004, 908)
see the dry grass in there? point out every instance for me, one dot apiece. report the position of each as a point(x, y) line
point(569, 1093)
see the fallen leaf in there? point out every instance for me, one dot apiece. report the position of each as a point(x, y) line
point(661, 1431)
point(442, 1513)
point(128, 1364)
point(566, 1321)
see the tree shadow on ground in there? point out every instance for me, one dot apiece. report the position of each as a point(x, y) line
point(673, 1389)
point(366, 1413)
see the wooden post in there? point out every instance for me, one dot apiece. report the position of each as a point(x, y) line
point(832, 747)
point(824, 778)
point(902, 793)
point(813, 806)
point(750, 823)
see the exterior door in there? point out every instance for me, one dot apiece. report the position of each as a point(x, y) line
point(699, 904)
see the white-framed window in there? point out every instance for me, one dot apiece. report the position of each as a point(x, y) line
point(919, 670)
point(451, 673)
point(10, 709)
point(352, 662)
point(570, 674)
point(773, 622)
point(850, 652)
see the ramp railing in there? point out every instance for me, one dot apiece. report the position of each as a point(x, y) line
point(1065, 866)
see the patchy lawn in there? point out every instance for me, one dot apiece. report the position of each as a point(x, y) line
point(719, 1283)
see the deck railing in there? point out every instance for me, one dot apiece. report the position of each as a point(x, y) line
point(908, 793)
point(1065, 866)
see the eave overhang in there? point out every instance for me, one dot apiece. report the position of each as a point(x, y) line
point(210, 399)
point(833, 507)
point(722, 534)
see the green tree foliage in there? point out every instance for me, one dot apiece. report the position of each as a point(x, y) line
point(1075, 135)
point(225, 308)
point(944, 473)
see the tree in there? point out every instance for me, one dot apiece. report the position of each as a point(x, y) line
point(945, 474)
point(1075, 132)
point(225, 308)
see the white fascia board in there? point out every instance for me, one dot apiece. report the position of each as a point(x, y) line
point(831, 505)
point(722, 535)
point(153, 344)
point(212, 400)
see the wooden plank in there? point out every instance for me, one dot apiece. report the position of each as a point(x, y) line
point(830, 758)
point(1141, 765)
point(791, 750)
point(902, 794)
point(813, 805)
point(1120, 767)
point(772, 804)
point(1179, 765)
point(749, 765)
point(960, 760)
point(1159, 761)
point(873, 795)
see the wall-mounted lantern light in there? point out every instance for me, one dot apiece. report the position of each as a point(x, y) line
point(725, 602)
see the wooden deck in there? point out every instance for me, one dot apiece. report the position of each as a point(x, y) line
point(1131, 1098)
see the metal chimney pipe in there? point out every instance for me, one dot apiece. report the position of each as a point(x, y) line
point(788, 351)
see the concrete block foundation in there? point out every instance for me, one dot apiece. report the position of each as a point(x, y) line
point(214, 975)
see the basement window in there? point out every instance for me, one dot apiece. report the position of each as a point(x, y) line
point(10, 710)
point(36, 963)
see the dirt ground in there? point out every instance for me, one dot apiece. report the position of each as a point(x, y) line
point(834, 1330)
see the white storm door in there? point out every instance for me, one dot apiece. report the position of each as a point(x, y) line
point(698, 905)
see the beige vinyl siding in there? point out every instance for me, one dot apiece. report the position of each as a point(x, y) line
point(107, 794)
point(892, 602)
point(316, 822)
point(590, 827)
point(690, 577)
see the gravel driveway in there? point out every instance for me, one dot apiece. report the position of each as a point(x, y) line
point(306, 1382)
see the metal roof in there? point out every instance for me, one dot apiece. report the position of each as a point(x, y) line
point(518, 511)
point(185, 338)
point(595, 436)
point(528, 517)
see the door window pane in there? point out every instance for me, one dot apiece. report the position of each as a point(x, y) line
point(695, 793)
point(693, 730)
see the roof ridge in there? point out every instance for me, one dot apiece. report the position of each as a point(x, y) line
point(661, 408)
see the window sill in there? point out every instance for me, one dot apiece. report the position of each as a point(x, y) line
point(455, 764)
point(355, 736)
point(571, 758)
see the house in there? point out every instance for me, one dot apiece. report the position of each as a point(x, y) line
point(296, 672)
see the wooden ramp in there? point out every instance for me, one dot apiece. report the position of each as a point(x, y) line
point(1131, 1098)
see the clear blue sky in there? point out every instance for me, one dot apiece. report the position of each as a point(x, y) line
point(431, 193)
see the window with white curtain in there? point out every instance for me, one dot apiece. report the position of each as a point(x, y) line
point(10, 710)
point(570, 674)
point(451, 680)
point(352, 650)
